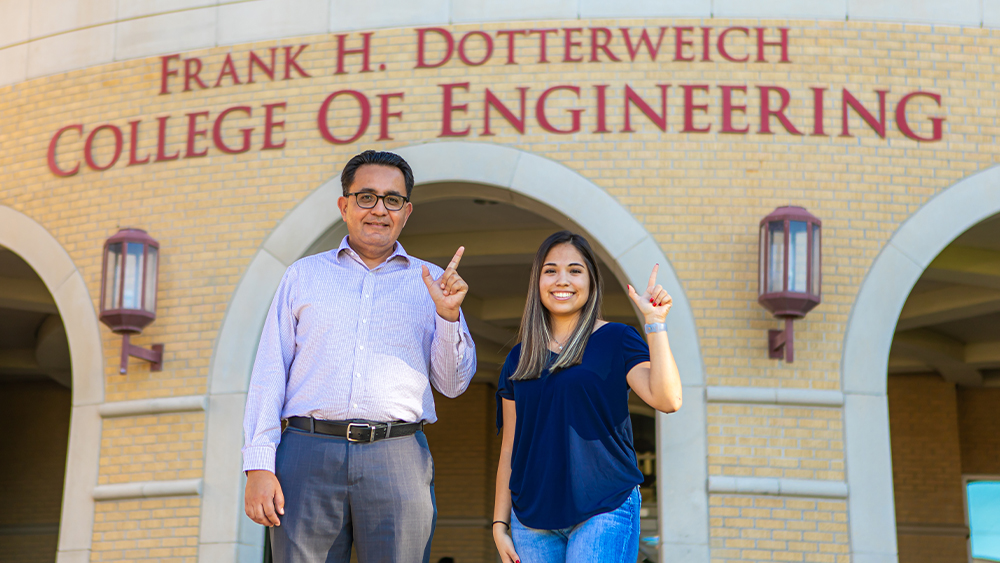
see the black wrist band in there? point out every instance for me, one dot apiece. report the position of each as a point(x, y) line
point(502, 522)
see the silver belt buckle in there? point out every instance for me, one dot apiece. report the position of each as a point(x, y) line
point(371, 431)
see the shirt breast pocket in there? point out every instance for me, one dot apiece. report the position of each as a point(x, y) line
point(409, 326)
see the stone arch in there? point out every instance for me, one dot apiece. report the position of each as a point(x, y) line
point(871, 508)
point(529, 181)
point(36, 246)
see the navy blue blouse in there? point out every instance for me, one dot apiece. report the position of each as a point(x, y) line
point(573, 456)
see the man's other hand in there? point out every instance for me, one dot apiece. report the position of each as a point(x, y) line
point(448, 291)
point(263, 500)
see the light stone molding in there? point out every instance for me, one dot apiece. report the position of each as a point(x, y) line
point(782, 9)
point(812, 488)
point(503, 174)
point(774, 396)
point(64, 35)
point(952, 12)
point(148, 489)
point(36, 246)
point(868, 337)
point(153, 406)
point(15, 21)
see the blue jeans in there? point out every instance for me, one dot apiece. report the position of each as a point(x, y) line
point(611, 537)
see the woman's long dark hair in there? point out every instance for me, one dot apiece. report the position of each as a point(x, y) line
point(536, 326)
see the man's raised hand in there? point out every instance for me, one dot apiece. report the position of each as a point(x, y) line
point(655, 302)
point(448, 291)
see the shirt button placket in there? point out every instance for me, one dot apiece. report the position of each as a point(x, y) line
point(362, 336)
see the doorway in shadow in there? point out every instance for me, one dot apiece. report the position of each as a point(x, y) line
point(944, 405)
point(35, 388)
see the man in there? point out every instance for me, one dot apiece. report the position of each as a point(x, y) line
point(353, 341)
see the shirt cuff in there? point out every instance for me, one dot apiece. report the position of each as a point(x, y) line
point(446, 330)
point(258, 457)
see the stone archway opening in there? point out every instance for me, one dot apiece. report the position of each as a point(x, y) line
point(500, 240)
point(462, 170)
point(36, 391)
point(944, 394)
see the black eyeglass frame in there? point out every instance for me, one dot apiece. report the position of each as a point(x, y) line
point(378, 197)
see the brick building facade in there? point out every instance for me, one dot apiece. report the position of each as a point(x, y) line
point(665, 137)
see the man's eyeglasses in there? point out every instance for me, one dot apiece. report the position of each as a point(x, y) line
point(368, 200)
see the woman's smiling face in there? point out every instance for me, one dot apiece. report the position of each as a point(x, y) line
point(565, 282)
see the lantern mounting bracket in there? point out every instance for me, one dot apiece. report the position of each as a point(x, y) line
point(780, 343)
point(154, 356)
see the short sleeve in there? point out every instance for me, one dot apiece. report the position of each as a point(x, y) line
point(635, 350)
point(505, 387)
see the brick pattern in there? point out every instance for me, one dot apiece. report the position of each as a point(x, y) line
point(932, 549)
point(926, 458)
point(462, 441)
point(152, 448)
point(979, 428)
point(754, 528)
point(701, 196)
point(766, 441)
point(33, 466)
point(926, 466)
point(34, 548)
point(155, 530)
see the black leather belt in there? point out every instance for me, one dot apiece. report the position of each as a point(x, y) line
point(361, 431)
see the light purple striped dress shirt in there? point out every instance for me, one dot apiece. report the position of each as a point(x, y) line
point(342, 342)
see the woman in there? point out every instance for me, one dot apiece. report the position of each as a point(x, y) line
point(567, 482)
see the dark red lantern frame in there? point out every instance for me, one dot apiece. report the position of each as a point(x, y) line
point(787, 303)
point(126, 320)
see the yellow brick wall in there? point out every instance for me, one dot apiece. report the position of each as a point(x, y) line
point(756, 528)
point(151, 448)
point(926, 466)
point(701, 196)
point(772, 441)
point(146, 530)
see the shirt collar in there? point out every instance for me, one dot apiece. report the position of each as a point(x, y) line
point(398, 251)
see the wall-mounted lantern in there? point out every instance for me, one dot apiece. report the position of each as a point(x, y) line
point(128, 291)
point(789, 275)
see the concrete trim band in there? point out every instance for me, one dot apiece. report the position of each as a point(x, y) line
point(772, 396)
point(153, 406)
point(63, 38)
point(812, 488)
point(148, 489)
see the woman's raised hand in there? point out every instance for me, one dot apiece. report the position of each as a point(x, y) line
point(655, 302)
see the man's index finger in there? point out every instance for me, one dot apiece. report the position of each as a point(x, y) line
point(453, 265)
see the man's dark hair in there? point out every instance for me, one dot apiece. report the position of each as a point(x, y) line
point(381, 158)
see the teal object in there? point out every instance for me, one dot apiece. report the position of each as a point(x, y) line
point(984, 519)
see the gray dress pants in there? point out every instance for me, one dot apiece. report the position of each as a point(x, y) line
point(376, 496)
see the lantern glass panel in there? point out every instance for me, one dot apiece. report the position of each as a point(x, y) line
point(113, 277)
point(149, 301)
point(798, 256)
point(763, 260)
point(132, 290)
point(776, 256)
point(815, 261)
